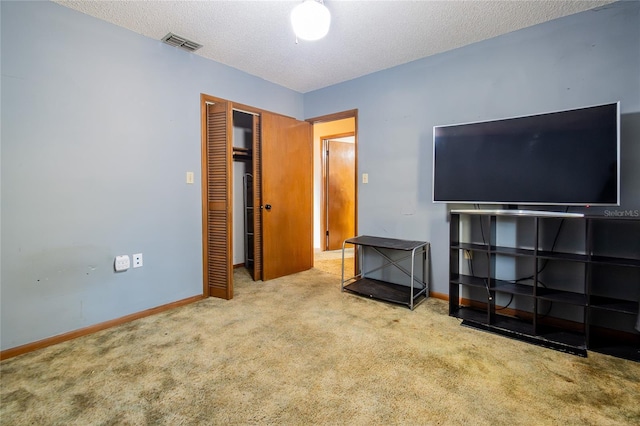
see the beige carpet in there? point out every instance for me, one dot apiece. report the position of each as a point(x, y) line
point(297, 351)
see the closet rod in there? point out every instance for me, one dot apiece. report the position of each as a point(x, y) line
point(246, 112)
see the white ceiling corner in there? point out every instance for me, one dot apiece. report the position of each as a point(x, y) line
point(365, 36)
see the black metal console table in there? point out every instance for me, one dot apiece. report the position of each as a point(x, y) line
point(417, 288)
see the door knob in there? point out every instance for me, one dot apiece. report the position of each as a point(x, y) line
point(267, 206)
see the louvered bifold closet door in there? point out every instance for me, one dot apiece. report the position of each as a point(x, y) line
point(219, 157)
point(257, 200)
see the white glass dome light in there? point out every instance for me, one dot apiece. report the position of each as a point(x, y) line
point(310, 20)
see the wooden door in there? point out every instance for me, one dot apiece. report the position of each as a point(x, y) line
point(217, 159)
point(340, 193)
point(287, 196)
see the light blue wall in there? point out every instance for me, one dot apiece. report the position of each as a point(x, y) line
point(99, 127)
point(584, 59)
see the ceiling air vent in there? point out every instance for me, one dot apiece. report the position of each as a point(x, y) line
point(181, 42)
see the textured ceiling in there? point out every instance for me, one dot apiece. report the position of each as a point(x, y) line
point(365, 36)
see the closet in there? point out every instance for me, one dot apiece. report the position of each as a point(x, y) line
point(245, 165)
point(243, 199)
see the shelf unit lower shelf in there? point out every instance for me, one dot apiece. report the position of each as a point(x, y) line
point(514, 328)
point(559, 340)
point(385, 291)
point(624, 345)
point(629, 352)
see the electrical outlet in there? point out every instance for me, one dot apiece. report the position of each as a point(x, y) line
point(121, 263)
point(137, 260)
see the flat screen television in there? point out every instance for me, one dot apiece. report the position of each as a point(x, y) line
point(569, 157)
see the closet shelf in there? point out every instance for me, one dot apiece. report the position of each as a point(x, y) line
point(242, 153)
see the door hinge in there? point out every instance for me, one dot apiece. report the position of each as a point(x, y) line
point(327, 233)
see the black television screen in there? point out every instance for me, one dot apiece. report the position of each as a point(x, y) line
point(560, 158)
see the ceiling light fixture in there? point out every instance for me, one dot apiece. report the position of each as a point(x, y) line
point(311, 20)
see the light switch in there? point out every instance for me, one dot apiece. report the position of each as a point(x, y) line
point(122, 263)
point(365, 178)
point(189, 177)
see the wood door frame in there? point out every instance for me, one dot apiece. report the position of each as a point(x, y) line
point(352, 113)
point(324, 192)
point(204, 100)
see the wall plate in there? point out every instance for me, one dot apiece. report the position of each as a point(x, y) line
point(137, 260)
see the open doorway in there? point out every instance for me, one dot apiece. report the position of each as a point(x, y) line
point(334, 130)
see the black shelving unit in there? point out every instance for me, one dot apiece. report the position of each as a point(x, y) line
point(562, 281)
